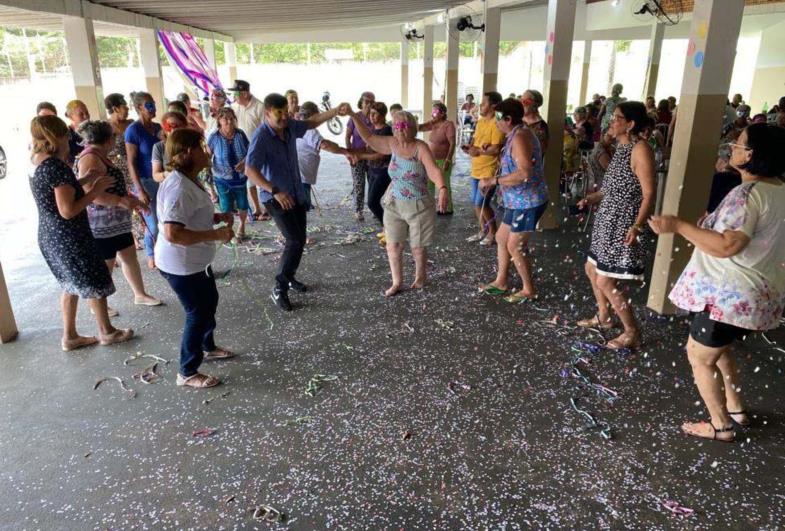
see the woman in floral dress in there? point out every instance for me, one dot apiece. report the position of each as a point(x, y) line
point(735, 281)
point(117, 109)
point(64, 235)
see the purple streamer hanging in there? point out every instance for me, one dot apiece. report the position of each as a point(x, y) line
point(190, 59)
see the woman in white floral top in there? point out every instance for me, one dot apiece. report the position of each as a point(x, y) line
point(735, 281)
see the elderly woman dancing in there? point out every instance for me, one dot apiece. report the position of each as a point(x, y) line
point(735, 281)
point(525, 197)
point(408, 207)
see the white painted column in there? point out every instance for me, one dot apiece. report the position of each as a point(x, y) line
point(230, 52)
point(451, 70)
point(8, 329)
point(151, 66)
point(405, 73)
point(427, 98)
point(585, 72)
point(85, 69)
point(714, 32)
point(209, 51)
point(653, 65)
point(490, 48)
point(558, 54)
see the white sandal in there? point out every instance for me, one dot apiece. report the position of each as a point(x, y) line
point(197, 381)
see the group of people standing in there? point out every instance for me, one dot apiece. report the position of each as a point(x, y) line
point(264, 155)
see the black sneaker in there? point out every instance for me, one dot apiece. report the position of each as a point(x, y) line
point(281, 299)
point(298, 286)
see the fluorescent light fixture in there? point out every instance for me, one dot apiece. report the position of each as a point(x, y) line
point(615, 3)
point(440, 18)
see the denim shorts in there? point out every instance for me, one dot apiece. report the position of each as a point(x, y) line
point(523, 219)
point(478, 199)
point(230, 198)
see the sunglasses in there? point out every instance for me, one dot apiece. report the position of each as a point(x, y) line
point(501, 116)
point(399, 126)
point(149, 106)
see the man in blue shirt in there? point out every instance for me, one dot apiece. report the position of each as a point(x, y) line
point(272, 165)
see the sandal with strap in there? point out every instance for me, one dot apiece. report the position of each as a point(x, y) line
point(219, 353)
point(80, 342)
point(197, 381)
point(741, 418)
point(594, 322)
point(625, 340)
point(490, 289)
point(686, 428)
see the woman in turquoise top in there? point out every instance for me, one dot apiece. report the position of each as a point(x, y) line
point(524, 196)
point(408, 207)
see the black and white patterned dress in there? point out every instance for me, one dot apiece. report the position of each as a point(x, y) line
point(622, 196)
point(67, 244)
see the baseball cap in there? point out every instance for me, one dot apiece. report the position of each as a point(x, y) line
point(239, 86)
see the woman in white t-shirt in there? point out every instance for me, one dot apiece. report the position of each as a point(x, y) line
point(186, 247)
point(735, 282)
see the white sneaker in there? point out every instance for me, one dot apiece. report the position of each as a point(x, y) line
point(488, 240)
point(476, 237)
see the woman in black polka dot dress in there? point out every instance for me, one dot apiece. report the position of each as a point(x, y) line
point(626, 200)
point(64, 234)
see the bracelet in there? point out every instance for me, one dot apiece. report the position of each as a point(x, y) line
point(637, 227)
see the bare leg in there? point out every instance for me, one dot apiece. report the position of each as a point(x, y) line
point(708, 379)
point(730, 377)
point(502, 257)
point(253, 195)
point(603, 305)
point(478, 212)
point(420, 267)
point(620, 305)
point(394, 251)
point(516, 243)
point(71, 339)
point(241, 228)
point(101, 316)
point(487, 219)
point(133, 274)
point(68, 304)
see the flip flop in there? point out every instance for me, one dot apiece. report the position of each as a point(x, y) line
point(72, 344)
point(219, 353)
point(197, 381)
point(518, 299)
point(490, 289)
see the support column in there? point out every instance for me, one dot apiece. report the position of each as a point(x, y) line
point(151, 66)
point(209, 52)
point(585, 72)
point(558, 54)
point(230, 52)
point(653, 68)
point(714, 31)
point(85, 69)
point(404, 73)
point(8, 329)
point(427, 74)
point(490, 48)
point(451, 71)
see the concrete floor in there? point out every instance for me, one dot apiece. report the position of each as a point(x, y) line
point(451, 410)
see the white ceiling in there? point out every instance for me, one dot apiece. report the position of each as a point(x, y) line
point(276, 16)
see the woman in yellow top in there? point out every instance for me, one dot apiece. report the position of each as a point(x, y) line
point(484, 151)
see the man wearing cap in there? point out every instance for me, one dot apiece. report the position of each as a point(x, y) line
point(250, 114)
point(273, 166)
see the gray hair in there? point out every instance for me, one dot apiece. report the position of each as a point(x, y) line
point(617, 89)
point(410, 119)
point(95, 132)
point(139, 98)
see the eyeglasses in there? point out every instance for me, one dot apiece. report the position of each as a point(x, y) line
point(734, 145)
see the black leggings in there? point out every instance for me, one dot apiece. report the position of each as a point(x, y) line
point(380, 180)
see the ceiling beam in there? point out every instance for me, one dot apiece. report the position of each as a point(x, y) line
point(110, 15)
